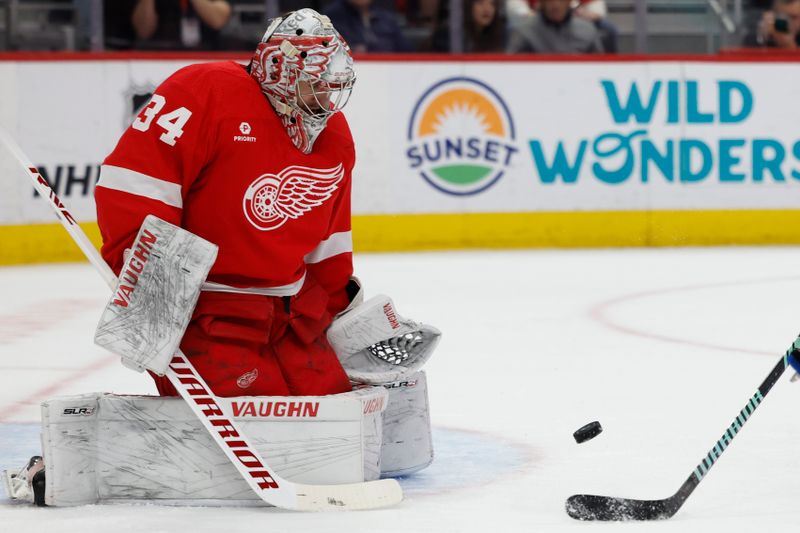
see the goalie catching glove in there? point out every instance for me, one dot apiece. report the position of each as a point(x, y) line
point(376, 345)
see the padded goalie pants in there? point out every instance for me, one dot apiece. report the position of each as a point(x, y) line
point(254, 345)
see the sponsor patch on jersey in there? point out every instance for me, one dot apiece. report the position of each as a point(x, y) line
point(273, 199)
point(245, 129)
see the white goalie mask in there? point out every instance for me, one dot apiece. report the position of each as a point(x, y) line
point(305, 69)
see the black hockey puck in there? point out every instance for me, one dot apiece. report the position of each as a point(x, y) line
point(587, 432)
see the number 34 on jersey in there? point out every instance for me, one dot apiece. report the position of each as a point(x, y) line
point(172, 122)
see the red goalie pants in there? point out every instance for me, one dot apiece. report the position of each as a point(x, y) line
point(253, 345)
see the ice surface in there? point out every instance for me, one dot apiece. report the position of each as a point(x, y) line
point(662, 346)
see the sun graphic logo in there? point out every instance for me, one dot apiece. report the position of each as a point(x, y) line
point(461, 136)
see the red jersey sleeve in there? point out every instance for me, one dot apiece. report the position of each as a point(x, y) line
point(331, 263)
point(155, 161)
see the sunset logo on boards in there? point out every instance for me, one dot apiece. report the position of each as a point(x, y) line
point(461, 136)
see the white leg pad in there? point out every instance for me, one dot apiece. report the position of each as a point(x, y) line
point(407, 443)
point(105, 447)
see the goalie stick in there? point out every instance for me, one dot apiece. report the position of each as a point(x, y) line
point(591, 507)
point(264, 481)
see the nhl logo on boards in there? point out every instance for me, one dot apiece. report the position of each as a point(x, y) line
point(272, 199)
point(136, 97)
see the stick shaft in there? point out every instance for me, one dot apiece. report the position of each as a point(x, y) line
point(744, 415)
point(64, 216)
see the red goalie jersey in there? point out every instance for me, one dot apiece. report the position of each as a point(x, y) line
point(209, 153)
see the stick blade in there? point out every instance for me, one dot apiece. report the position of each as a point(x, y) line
point(349, 497)
point(590, 507)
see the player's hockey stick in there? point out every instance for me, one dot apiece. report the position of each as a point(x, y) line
point(590, 507)
point(268, 485)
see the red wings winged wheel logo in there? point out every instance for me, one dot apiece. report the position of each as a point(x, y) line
point(272, 199)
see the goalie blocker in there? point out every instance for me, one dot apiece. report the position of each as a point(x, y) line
point(158, 288)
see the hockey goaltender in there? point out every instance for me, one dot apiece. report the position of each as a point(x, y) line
point(225, 215)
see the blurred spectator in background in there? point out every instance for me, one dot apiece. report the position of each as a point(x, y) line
point(484, 27)
point(367, 28)
point(517, 9)
point(554, 29)
point(779, 26)
point(418, 12)
point(166, 24)
point(595, 11)
point(117, 26)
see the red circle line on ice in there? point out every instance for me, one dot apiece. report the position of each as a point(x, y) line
point(600, 313)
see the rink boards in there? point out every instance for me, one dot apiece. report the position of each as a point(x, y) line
point(496, 152)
